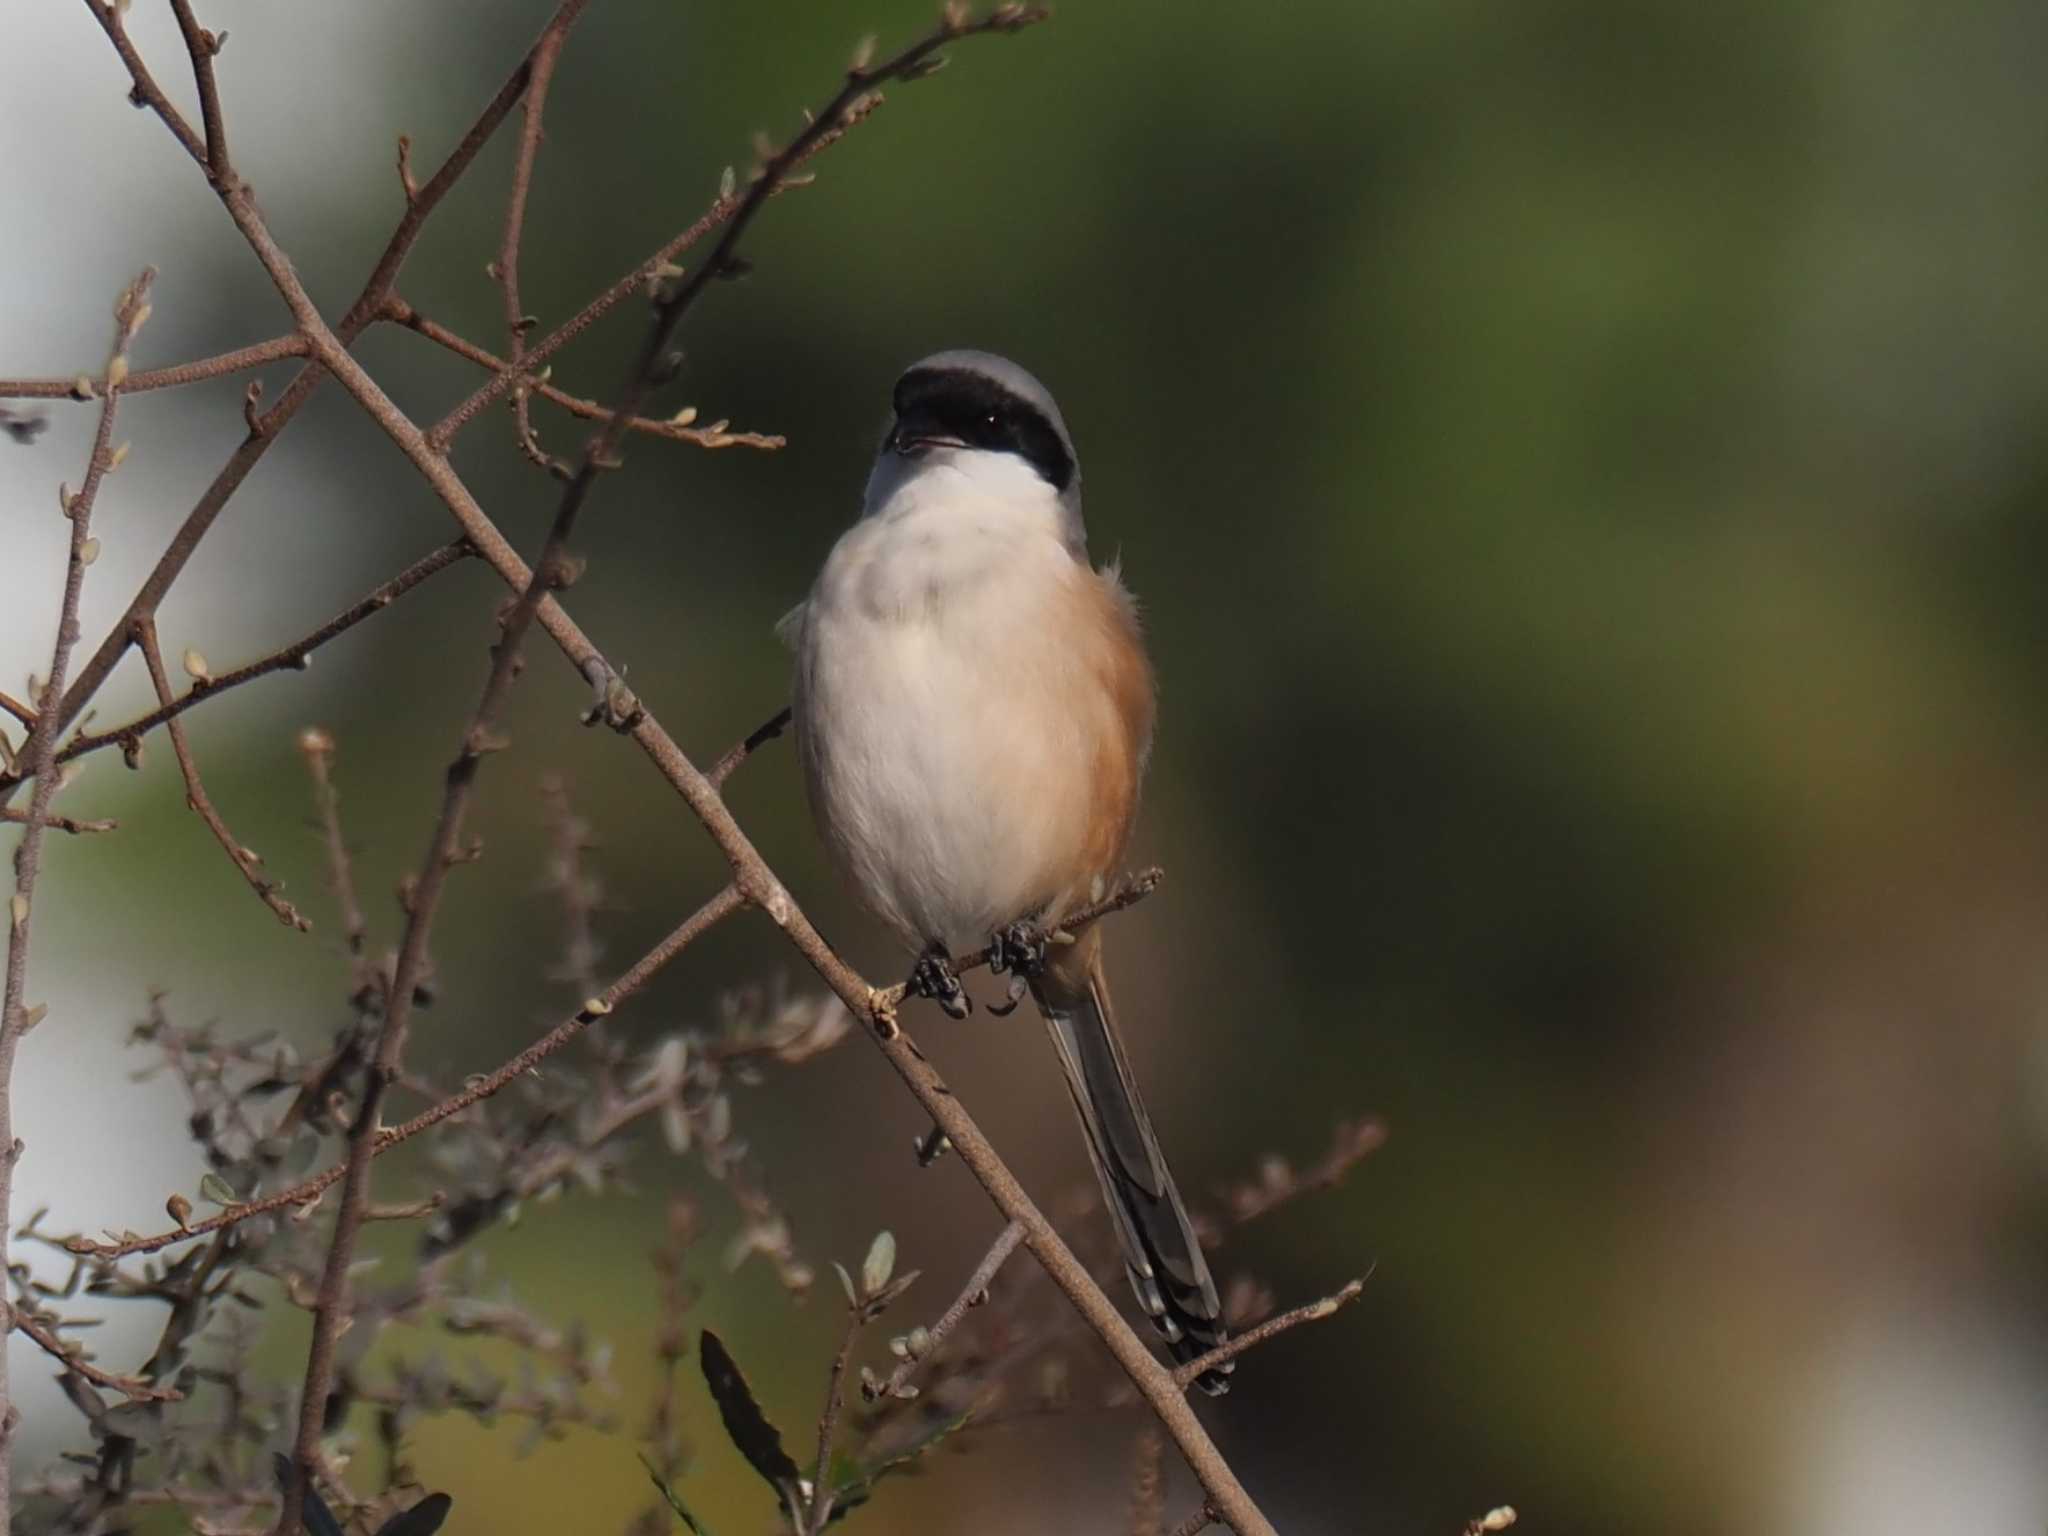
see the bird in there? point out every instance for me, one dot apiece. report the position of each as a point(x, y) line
point(973, 710)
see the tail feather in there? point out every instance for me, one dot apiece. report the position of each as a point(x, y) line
point(1161, 1253)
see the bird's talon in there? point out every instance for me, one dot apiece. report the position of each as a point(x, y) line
point(1020, 949)
point(1018, 987)
point(934, 978)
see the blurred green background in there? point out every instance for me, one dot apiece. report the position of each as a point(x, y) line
point(1583, 467)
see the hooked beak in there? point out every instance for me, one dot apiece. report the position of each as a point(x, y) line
point(913, 438)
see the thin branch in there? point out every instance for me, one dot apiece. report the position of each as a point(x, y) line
point(1251, 1338)
point(506, 268)
point(202, 45)
point(246, 860)
point(318, 749)
point(971, 1295)
point(40, 754)
point(198, 371)
point(676, 428)
point(16, 708)
point(636, 281)
point(828, 1423)
point(1200, 1520)
point(75, 1361)
point(74, 825)
point(292, 657)
point(758, 738)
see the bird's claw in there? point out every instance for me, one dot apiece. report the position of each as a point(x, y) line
point(934, 978)
point(1020, 949)
point(1018, 988)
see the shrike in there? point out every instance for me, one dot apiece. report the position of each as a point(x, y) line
point(973, 712)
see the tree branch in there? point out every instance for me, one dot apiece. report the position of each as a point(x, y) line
point(676, 428)
point(292, 657)
point(74, 1360)
point(756, 739)
point(40, 754)
point(506, 268)
point(248, 863)
point(820, 1513)
point(1186, 1375)
point(972, 1295)
point(240, 360)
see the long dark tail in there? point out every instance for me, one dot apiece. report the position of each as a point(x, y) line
point(1167, 1269)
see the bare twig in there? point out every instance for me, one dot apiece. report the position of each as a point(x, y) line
point(971, 1295)
point(1278, 1183)
point(245, 859)
point(756, 739)
point(1251, 1338)
point(506, 268)
point(293, 657)
point(635, 281)
point(679, 428)
point(828, 1421)
point(40, 755)
point(72, 824)
point(240, 360)
point(318, 748)
point(202, 45)
point(1202, 1518)
point(74, 1360)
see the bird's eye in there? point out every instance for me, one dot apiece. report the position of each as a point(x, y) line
point(991, 420)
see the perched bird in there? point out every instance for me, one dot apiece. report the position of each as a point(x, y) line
point(973, 710)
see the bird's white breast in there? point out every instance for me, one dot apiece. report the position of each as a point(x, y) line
point(946, 708)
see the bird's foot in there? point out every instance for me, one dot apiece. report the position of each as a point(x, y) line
point(1020, 949)
point(935, 978)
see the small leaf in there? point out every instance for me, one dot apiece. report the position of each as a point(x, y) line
point(880, 1263)
point(745, 1424)
point(423, 1519)
point(217, 1189)
point(846, 1283)
point(317, 1517)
